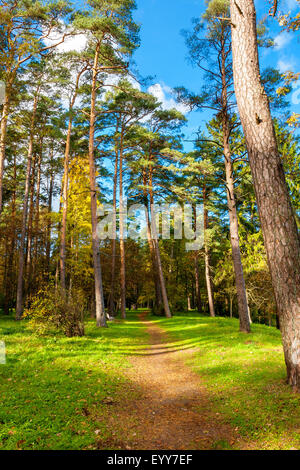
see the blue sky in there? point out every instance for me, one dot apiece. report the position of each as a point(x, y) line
point(162, 53)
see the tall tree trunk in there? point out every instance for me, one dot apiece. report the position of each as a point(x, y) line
point(158, 306)
point(235, 243)
point(230, 303)
point(19, 304)
point(49, 222)
point(3, 130)
point(28, 263)
point(196, 268)
point(63, 232)
point(111, 302)
point(278, 224)
point(10, 268)
point(157, 254)
point(158, 295)
point(208, 280)
point(231, 202)
point(100, 310)
point(249, 311)
point(121, 221)
point(37, 215)
point(197, 282)
point(76, 260)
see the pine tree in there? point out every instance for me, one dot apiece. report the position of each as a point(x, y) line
point(277, 219)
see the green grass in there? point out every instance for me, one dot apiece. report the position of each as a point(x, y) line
point(245, 375)
point(52, 388)
point(55, 391)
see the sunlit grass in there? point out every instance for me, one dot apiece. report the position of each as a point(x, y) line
point(245, 375)
point(52, 388)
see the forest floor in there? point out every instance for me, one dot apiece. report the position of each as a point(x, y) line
point(191, 382)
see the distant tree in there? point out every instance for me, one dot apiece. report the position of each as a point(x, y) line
point(113, 36)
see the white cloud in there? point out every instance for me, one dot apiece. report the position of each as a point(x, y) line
point(163, 94)
point(76, 42)
point(282, 40)
point(73, 43)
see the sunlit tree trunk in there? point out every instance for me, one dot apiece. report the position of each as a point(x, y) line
point(100, 310)
point(209, 287)
point(196, 269)
point(37, 215)
point(3, 130)
point(158, 297)
point(197, 282)
point(30, 222)
point(157, 251)
point(49, 222)
point(278, 224)
point(111, 302)
point(63, 233)
point(235, 242)
point(121, 222)
point(9, 280)
point(19, 304)
point(231, 202)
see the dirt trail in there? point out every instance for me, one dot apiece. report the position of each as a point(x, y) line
point(172, 409)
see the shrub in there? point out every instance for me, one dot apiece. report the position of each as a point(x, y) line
point(52, 311)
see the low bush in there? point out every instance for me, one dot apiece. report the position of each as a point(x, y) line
point(51, 310)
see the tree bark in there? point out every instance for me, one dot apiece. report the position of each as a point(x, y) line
point(62, 248)
point(209, 287)
point(235, 244)
point(231, 202)
point(49, 222)
point(9, 280)
point(111, 302)
point(158, 260)
point(37, 214)
point(158, 296)
point(63, 232)
point(274, 206)
point(197, 282)
point(3, 130)
point(122, 242)
point(19, 304)
point(100, 310)
point(196, 270)
point(28, 264)
point(156, 249)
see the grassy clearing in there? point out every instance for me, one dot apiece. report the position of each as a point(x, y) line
point(245, 375)
point(55, 391)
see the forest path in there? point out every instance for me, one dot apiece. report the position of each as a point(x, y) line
point(172, 409)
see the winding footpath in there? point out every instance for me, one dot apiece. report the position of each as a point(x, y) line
point(167, 407)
